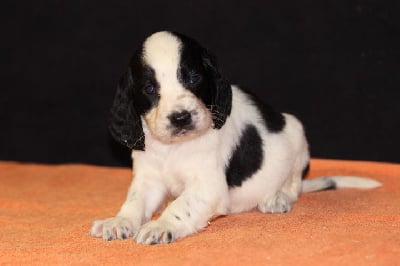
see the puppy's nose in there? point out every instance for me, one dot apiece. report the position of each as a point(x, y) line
point(180, 119)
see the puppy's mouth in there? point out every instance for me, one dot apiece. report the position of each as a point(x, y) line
point(176, 132)
point(179, 126)
point(181, 134)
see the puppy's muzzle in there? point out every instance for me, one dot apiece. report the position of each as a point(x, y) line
point(181, 120)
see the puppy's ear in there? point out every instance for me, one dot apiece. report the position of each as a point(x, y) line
point(125, 123)
point(221, 95)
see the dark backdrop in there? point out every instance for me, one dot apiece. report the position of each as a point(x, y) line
point(333, 63)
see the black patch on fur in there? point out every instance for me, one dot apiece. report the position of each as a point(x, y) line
point(198, 72)
point(131, 102)
point(143, 75)
point(306, 170)
point(246, 158)
point(125, 124)
point(273, 120)
point(177, 217)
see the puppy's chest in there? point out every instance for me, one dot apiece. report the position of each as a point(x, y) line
point(177, 170)
point(182, 164)
point(176, 178)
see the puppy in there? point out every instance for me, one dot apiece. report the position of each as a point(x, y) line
point(211, 146)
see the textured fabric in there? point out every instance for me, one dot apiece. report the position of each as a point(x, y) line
point(46, 212)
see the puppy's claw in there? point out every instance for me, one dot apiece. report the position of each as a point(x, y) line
point(112, 228)
point(155, 232)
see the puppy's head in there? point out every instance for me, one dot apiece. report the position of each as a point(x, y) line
point(173, 86)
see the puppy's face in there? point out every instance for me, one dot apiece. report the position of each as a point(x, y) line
point(170, 80)
point(174, 86)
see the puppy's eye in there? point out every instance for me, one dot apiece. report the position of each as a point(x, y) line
point(149, 89)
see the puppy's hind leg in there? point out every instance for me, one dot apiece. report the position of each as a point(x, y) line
point(278, 203)
point(282, 200)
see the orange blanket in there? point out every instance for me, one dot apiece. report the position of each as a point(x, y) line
point(46, 212)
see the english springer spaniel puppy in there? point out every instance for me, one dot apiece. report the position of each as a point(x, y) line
point(209, 145)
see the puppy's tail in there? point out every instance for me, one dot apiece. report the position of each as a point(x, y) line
point(335, 182)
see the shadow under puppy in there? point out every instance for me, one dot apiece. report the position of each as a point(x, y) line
point(207, 143)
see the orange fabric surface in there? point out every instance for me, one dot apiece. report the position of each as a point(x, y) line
point(46, 212)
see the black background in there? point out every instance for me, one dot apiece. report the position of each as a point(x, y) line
point(333, 63)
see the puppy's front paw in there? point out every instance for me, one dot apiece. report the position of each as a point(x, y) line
point(112, 228)
point(156, 232)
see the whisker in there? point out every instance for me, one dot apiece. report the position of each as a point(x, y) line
point(139, 139)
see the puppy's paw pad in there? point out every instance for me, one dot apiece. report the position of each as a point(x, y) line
point(155, 232)
point(280, 203)
point(112, 228)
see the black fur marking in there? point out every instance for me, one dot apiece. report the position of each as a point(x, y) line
point(274, 121)
point(125, 124)
point(198, 72)
point(143, 76)
point(131, 102)
point(305, 170)
point(246, 158)
point(177, 217)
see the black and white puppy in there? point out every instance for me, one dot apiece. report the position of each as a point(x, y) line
point(207, 143)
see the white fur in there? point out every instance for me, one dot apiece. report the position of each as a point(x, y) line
point(321, 183)
point(192, 169)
